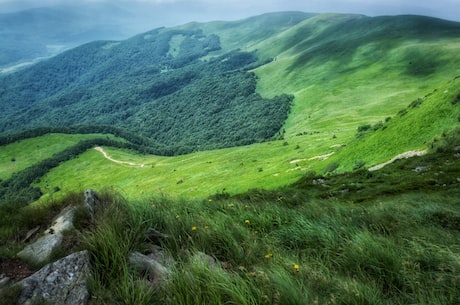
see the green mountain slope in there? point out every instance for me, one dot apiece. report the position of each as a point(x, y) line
point(167, 84)
point(346, 72)
point(154, 84)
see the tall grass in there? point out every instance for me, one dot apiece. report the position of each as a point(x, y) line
point(385, 251)
point(389, 237)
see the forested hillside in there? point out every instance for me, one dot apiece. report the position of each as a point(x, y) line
point(154, 84)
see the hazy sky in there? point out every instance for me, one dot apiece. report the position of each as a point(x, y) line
point(205, 10)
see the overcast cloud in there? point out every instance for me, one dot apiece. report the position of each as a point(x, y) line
point(205, 10)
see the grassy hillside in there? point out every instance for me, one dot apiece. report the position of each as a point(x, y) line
point(328, 62)
point(266, 165)
point(22, 154)
point(388, 237)
point(349, 70)
point(187, 86)
point(345, 71)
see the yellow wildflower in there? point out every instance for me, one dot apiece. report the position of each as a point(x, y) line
point(296, 267)
point(193, 228)
point(247, 221)
point(268, 255)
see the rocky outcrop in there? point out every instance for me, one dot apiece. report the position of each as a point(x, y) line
point(91, 201)
point(60, 283)
point(42, 249)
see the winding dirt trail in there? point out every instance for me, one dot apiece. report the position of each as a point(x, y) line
point(104, 153)
point(407, 154)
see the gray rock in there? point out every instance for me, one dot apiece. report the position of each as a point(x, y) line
point(62, 222)
point(4, 281)
point(155, 236)
point(156, 272)
point(158, 254)
point(40, 251)
point(60, 283)
point(91, 201)
point(201, 257)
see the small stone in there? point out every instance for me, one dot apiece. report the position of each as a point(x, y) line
point(155, 235)
point(62, 222)
point(205, 259)
point(156, 272)
point(419, 169)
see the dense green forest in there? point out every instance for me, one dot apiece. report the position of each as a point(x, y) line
point(154, 84)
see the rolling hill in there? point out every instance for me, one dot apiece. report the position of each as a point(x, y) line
point(301, 85)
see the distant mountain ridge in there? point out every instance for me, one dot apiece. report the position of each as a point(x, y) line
point(32, 34)
point(194, 85)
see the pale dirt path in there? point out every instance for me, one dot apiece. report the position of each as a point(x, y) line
point(407, 154)
point(104, 153)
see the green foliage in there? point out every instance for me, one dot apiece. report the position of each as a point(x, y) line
point(10, 295)
point(285, 247)
point(172, 98)
point(387, 237)
point(365, 127)
point(456, 99)
point(331, 167)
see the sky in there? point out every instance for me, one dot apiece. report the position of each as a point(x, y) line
point(183, 11)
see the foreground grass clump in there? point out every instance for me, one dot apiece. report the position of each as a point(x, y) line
point(283, 248)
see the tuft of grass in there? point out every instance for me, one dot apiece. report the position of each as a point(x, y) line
point(10, 294)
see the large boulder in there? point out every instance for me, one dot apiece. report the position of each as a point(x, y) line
point(63, 282)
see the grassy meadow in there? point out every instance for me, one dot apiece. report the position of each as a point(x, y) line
point(392, 237)
point(22, 154)
point(269, 165)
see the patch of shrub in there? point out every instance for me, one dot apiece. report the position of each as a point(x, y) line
point(358, 165)
point(402, 112)
point(377, 126)
point(10, 295)
point(331, 167)
point(363, 128)
point(456, 100)
point(416, 103)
